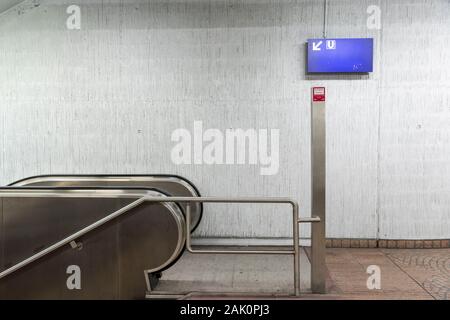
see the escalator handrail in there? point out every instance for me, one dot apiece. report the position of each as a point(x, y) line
point(62, 177)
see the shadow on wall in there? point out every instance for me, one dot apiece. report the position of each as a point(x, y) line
point(329, 76)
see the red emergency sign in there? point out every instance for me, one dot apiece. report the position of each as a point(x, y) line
point(318, 93)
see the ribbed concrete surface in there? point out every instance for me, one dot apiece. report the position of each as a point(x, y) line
point(235, 273)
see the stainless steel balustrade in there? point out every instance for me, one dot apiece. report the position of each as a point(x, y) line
point(140, 198)
point(295, 251)
point(121, 235)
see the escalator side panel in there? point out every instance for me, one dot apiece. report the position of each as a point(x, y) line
point(135, 239)
point(32, 224)
point(112, 259)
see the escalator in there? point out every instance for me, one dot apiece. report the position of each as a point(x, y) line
point(90, 237)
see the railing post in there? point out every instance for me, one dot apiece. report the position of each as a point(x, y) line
point(188, 227)
point(296, 249)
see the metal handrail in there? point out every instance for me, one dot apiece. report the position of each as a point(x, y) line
point(296, 220)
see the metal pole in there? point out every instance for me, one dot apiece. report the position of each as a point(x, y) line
point(318, 182)
point(296, 250)
point(188, 227)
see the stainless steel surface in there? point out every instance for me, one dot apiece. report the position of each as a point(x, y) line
point(34, 194)
point(318, 164)
point(308, 220)
point(169, 184)
point(115, 248)
point(296, 235)
point(112, 249)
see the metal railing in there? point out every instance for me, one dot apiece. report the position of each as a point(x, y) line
point(71, 240)
point(295, 231)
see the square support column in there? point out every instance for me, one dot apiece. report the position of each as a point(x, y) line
point(318, 183)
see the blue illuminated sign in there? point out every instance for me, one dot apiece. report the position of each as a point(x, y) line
point(340, 55)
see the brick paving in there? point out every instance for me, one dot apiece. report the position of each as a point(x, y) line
point(405, 273)
point(420, 274)
point(391, 244)
point(429, 268)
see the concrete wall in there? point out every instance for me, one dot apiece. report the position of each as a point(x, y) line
point(106, 99)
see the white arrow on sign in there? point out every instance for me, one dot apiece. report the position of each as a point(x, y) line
point(316, 46)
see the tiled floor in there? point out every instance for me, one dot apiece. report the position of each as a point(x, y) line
point(405, 274)
point(429, 268)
